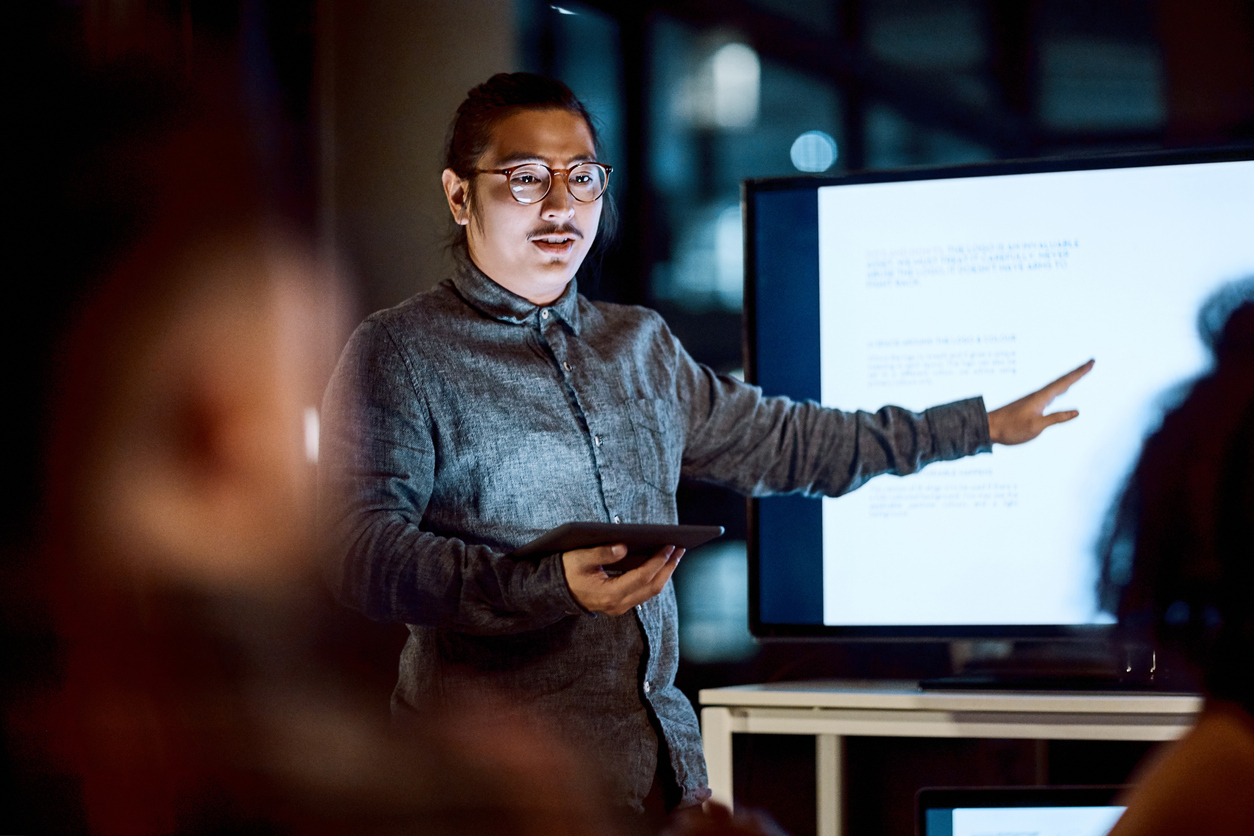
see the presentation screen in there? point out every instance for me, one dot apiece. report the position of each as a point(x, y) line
point(923, 287)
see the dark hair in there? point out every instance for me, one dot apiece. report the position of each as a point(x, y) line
point(1178, 559)
point(501, 96)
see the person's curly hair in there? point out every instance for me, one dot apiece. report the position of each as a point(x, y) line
point(1178, 560)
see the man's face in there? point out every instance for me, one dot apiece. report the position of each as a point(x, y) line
point(532, 250)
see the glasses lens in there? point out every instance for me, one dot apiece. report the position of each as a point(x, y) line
point(587, 181)
point(529, 183)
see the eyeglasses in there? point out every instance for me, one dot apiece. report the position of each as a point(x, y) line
point(530, 183)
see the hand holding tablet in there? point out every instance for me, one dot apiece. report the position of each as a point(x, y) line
point(611, 568)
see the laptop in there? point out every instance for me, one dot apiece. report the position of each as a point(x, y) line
point(1022, 811)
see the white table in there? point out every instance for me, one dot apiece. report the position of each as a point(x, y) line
point(834, 709)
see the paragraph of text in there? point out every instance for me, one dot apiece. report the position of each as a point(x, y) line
point(898, 499)
point(909, 266)
point(922, 362)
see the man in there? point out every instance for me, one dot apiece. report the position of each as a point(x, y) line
point(466, 421)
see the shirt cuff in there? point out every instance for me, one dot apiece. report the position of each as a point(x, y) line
point(554, 573)
point(959, 429)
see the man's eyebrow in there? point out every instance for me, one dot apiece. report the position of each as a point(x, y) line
point(521, 157)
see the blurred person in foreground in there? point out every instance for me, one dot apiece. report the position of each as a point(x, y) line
point(1179, 570)
point(466, 421)
point(185, 691)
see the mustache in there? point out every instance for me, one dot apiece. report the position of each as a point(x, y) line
point(555, 229)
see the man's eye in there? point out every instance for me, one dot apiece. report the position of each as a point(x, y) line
point(582, 179)
point(526, 179)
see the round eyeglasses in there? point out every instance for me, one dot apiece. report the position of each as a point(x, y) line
point(530, 183)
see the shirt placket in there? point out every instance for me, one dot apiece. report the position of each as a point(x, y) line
point(572, 376)
point(577, 382)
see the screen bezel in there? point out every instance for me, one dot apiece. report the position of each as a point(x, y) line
point(1089, 633)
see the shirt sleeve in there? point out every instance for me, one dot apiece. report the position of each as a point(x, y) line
point(757, 445)
point(376, 475)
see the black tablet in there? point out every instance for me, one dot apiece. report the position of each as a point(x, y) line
point(643, 541)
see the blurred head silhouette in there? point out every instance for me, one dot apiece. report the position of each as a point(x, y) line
point(197, 328)
point(1178, 567)
point(185, 689)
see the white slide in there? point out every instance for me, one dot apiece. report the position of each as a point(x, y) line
point(935, 290)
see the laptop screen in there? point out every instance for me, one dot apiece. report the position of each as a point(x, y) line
point(1018, 811)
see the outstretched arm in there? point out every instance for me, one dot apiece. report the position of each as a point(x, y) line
point(1025, 419)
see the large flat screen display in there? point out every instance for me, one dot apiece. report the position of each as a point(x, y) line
point(922, 287)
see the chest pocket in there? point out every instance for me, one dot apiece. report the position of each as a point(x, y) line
point(659, 441)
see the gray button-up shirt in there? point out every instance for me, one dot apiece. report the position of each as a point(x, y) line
point(467, 421)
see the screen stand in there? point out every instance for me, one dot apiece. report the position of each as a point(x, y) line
point(1041, 666)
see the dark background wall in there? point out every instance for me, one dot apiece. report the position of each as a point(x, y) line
point(356, 98)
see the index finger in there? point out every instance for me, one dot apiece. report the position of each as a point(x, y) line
point(1062, 384)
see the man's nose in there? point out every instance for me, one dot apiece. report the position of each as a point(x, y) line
point(559, 203)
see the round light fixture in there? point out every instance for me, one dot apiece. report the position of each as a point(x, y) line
point(813, 151)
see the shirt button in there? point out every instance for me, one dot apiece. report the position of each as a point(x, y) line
point(596, 439)
point(617, 518)
point(648, 687)
point(544, 314)
point(566, 366)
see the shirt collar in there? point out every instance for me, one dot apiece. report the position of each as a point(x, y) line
point(495, 301)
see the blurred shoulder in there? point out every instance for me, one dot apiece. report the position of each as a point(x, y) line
point(1201, 784)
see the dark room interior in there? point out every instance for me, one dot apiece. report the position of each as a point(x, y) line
point(346, 106)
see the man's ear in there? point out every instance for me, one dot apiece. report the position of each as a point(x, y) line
point(457, 191)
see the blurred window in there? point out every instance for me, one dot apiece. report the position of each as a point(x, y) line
point(942, 41)
point(1098, 70)
point(720, 113)
point(1089, 82)
point(818, 15)
point(894, 141)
